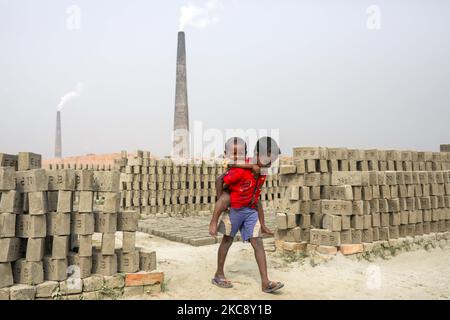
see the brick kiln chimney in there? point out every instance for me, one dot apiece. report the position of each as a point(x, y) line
point(180, 134)
point(58, 144)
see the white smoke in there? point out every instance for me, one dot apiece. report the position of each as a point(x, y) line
point(70, 96)
point(200, 16)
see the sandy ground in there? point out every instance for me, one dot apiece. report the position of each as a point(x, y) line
point(410, 275)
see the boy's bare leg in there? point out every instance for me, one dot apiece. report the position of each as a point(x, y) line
point(219, 185)
point(260, 256)
point(225, 245)
point(222, 204)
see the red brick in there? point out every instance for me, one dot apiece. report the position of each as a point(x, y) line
point(143, 278)
point(326, 249)
point(347, 249)
point(294, 246)
point(279, 244)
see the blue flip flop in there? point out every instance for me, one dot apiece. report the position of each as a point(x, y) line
point(271, 289)
point(221, 282)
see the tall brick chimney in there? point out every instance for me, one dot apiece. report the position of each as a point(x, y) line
point(180, 134)
point(58, 144)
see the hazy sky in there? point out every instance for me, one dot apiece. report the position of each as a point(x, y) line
point(313, 70)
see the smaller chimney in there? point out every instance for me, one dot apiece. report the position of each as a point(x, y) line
point(58, 144)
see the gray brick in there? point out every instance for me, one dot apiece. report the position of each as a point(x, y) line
point(22, 292)
point(356, 236)
point(85, 246)
point(28, 272)
point(147, 260)
point(83, 223)
point(105, 222)
point(65, 201)
point(46, 289)
point(114, 281)
point(7, 181)
point(35, 249)
point(127, 261)
point(84, 264)
point(37, 202)
point(92, 283)
point(6, 275)
point(108, 243)
point(61, 179)
point(128, 241)
point(107, 181)
point(31, 181)
point(86, 201)
point(4, 293)
point(104, 264)
point(60, 247)
point(336, 207)
point(332, 222)
point(11, 202)
point(28, 161)
point(127, 221)
point(111, 202)
point(71, 286)
point(7, 225)
point(84, 180)
point(8, 160)
point(58, 224)
point(9, 249)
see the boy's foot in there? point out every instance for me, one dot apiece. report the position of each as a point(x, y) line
point(273, 286)
point(221, 282)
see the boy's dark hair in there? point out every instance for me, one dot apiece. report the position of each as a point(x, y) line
point(235, 141)
point(266, 145)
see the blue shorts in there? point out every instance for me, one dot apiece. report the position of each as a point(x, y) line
point(245, 220)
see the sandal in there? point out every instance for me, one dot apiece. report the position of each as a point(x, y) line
point(272, 288)
point(221, 282)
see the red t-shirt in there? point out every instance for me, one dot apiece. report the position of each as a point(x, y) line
point(241, 183)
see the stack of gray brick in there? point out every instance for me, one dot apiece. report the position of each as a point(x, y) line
point(48, 219)
point(338, 196)
point(31, 228)
point(61, 195)
point(9, 209)
point(106, 209)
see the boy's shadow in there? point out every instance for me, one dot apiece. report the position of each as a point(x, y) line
point(248, 268)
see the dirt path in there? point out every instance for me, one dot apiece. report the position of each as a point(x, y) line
point(410, 275)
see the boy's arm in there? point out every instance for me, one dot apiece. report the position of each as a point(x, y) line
point(262, 222)
point(261, 213)
point(254, 167)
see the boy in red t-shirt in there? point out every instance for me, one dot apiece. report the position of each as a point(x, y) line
point(246, 213)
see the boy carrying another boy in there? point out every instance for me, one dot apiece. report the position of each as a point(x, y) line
point(243, 181)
